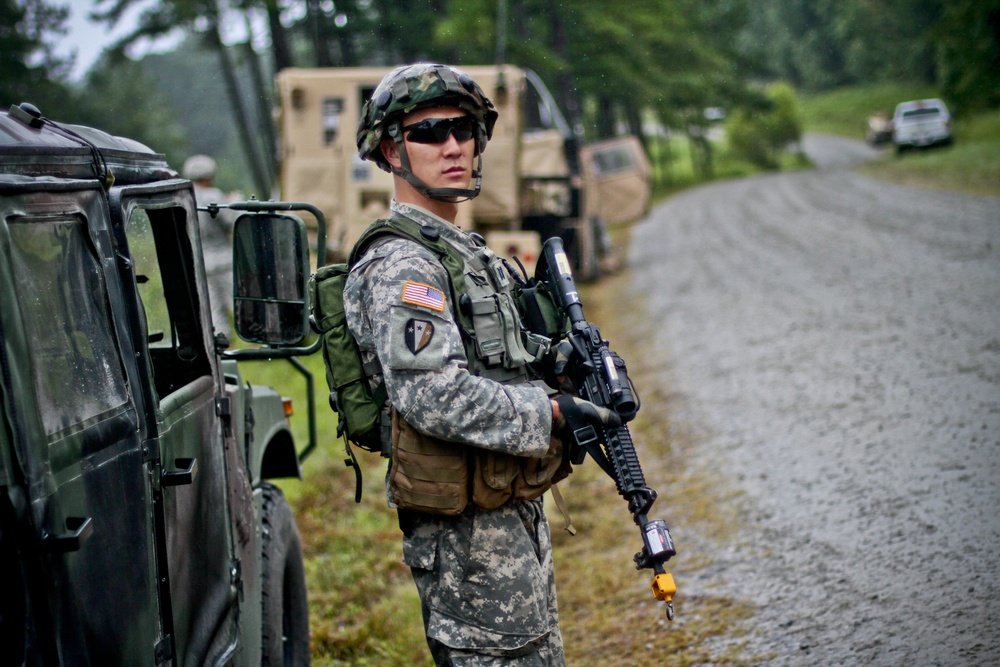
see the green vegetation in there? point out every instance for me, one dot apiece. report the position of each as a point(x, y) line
point(845, 111)
point(760, 135)
point(674, 167)
point(971, 164)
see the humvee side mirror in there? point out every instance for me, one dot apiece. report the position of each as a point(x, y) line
point(270, 271)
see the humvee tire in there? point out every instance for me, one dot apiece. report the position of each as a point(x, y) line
point(285, 612)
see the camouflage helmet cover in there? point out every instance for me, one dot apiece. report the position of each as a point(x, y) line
point(411, 87)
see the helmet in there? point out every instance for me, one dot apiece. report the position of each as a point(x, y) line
point(411, 87)
point(198, 168)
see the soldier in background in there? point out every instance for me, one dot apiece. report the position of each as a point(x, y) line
point(472, 440)
point(216, 238)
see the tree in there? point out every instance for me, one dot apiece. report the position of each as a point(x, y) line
point(29, 69)
point(121, 99)
point(967, 39)
point(758, 134)
point(250, 112)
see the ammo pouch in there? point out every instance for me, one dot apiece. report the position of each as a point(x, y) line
point(499, 477)
point(360, 408)
point(427, 474)
point(431, 475)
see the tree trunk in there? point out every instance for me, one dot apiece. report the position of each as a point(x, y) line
point(262, 104)
point(321, 49)
point(566, 94)
point(261, 180)
point(279, 37)
point(605, 122)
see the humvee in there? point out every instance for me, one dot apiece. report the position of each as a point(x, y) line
point(136, 522)
point(537, 182)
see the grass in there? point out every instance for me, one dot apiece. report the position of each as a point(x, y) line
point(608, 615)
point(673, 169)
point(364, 610)
point(970, 165)
point(845, 111)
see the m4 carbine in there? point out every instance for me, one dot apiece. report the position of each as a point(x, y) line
point(599, 376)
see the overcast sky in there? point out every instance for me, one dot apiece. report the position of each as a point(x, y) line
point(89, 39)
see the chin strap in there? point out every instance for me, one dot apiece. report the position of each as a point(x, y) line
point(450, 195)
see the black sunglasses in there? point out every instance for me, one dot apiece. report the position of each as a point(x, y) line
point(436, 130)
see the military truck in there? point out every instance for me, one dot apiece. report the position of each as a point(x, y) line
point(534, 184)
point(136, 523)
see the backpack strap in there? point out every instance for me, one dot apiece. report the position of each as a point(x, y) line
point(448, 256)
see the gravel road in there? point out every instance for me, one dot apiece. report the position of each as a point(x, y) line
point(836, 343)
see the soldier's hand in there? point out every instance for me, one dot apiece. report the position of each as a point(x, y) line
point(561, 353)
point(575, 411)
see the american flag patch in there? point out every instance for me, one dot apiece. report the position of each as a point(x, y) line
point(419, 294)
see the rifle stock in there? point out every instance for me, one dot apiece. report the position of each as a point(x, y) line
point(600, 376)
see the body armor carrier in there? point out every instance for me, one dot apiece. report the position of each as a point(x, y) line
point(427, 474)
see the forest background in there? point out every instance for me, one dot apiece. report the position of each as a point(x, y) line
point(639, 68)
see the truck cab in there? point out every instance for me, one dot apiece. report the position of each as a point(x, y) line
point(136, 522)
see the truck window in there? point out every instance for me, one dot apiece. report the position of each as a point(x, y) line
point(613, 159)
point(150, 280)
point(165, 277)
point(76, 370)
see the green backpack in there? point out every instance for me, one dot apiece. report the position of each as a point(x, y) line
point(358, 406)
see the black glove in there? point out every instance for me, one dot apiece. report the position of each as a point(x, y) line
point(561, 353)
point(577, 412)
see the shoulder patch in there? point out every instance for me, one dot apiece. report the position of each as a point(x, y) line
point(418, 334)
point(419, 294)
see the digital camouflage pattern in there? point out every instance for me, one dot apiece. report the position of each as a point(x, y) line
point(485, 577)
point(487, 585)
point(411, 87)
point(432, 387)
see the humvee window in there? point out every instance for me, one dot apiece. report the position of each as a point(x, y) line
point(164, 270)
point(613, 159)
point(77, 372)
point(150, 280)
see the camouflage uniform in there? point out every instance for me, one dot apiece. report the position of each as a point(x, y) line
point(485, 577)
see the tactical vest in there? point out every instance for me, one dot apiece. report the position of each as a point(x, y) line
point(427, 474)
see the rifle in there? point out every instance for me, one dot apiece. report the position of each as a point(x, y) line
point(600, 376)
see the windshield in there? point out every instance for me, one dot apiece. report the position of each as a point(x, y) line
point(913, 114)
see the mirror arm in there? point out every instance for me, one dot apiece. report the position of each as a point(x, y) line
point(274, 352)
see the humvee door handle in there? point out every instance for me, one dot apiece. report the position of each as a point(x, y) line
point(189, 468)
point(80, 530)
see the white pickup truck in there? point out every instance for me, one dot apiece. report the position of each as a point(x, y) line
point(921, 123)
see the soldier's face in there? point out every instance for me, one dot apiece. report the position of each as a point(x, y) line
point(439, 164)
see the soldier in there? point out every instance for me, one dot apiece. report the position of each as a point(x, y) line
point(216, 233)
point(472, 428)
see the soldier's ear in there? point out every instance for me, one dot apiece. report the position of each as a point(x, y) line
point(390, 149)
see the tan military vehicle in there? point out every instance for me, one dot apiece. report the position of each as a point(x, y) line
point(537, 182)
